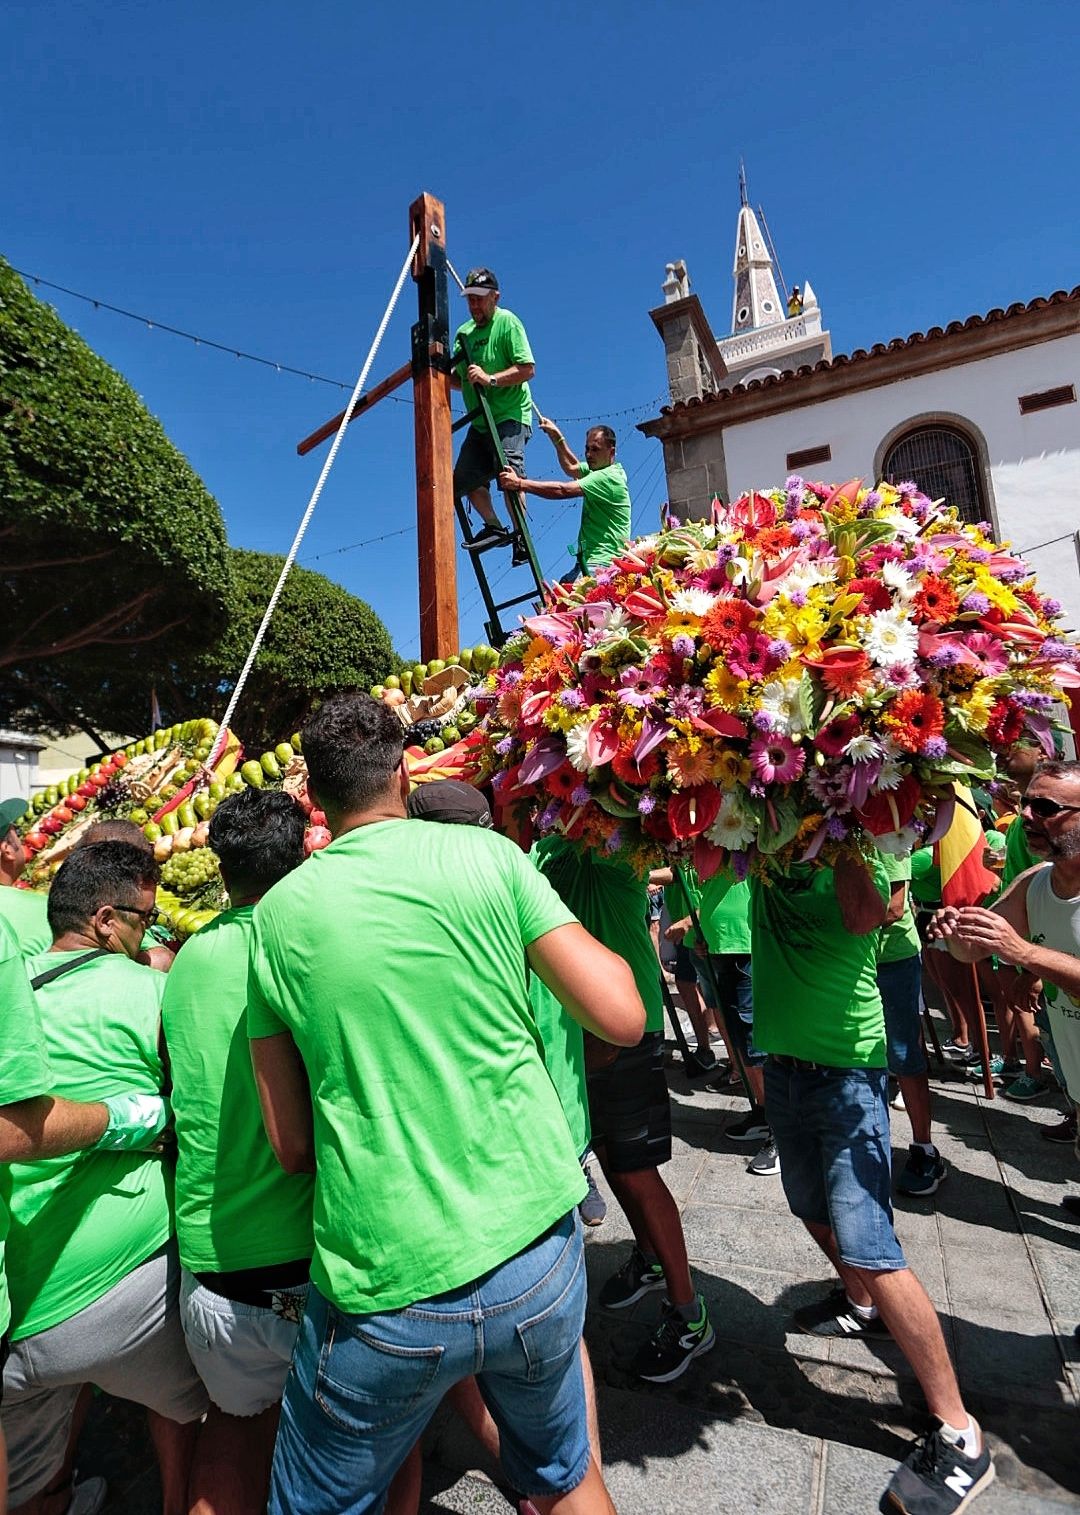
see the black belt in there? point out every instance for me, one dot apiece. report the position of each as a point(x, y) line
point(257, 1286)
point(801, 1064)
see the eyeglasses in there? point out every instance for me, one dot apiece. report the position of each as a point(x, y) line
point(1045, 808)
point(148, 917)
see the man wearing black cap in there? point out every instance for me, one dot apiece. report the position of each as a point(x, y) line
point(502, 364)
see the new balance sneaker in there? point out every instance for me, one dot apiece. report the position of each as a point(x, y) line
point(674, 1344)
point(593, 1208)
point(1025, 1088)
point(835, 1316)
point(632, 1282)
point(1064, 1131)
point(923, 1172)
point(765, 1162)
point(752, 1128)
point(938, 1479)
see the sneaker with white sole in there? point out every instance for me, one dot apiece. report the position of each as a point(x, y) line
point(938, 1479)
point(765, 1162)
point(674, 1344)
point(87, 1496)
point(752, 1128)
point(923, 1172)
point(593, 1208)
point(632, 1282)
point(1025, 1087)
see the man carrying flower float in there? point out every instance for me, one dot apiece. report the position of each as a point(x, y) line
point(780, 691)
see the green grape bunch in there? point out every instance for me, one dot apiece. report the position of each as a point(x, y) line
point(187, 872)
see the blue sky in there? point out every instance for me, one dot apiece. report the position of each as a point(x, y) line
point(244, 171)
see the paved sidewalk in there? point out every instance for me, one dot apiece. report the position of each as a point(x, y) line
point(777, 1422)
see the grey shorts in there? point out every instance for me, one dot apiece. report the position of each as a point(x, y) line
point(477, 463)
point(242, 1352)
point(128, 1342)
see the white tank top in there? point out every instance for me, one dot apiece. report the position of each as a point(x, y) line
point(1055, 923)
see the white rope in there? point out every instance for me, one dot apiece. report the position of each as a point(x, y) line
point(219, 741)
point(458, 280)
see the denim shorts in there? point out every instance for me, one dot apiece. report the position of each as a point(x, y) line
point(831, 1127)
point(477, 463)
point(900, 985)
point(733, 976)
point(241, 1352)
point(363, 1387)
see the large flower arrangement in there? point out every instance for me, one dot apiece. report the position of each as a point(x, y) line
point(810, 665)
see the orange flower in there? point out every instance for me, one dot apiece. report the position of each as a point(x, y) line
point(727, 619)
point(845, 671)
point(935, 600)
point(914, 717)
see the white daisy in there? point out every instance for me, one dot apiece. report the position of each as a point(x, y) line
point(616, 620)
point(904, 526)
point(577, 753)
point(863, 748)
point(805, 575)
point(891, 638)
point(693, 601)
point(733, 827)
point(890, 776)
point(896, 577)
point(779, 700)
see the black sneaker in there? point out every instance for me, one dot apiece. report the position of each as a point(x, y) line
point(938, 1479)
point(701, 1064)
point(834, 1316)
point(752, 1128)
point(958, 1052)
point(923, 1172)
point(766, 1162)
point(1064, 1131)
point(632, 1282)
point(491, 534)
point(674, 1344)
point(520, 555)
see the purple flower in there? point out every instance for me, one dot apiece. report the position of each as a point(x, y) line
point(639, 688)
point(614, 841)
point(1031, 699)
point(605, 575)
point(740, 865)
point(581, 795)
point(1059, 651)
point(797, 597)
point(872, 501)
point(835, 829)
point(795, 489)
point(672, 521)
point(1051, 608)
point(763, 720)
point(780, 649)
point(682, 645)
point(1012, 575)
point(902, 676)
point(505, 747)
point(686, 703)
point(511, 678)
point(978, 555)
point(800, 530)
point(985, 527)
point(934, 747)
point(572, 699)
point(975, 603)
point(499, 779)
point(909, 487)
point(549, 816)
point(829, 787)
point(724, 553)
point(646, 804)
point(946, 657)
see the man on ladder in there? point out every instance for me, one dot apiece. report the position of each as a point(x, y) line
point(492, 353)
point(601, 483)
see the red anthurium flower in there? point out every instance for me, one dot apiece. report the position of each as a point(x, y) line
point(693, 811)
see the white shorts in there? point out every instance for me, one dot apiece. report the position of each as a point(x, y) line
point(242, 1352)
point(129, 1343)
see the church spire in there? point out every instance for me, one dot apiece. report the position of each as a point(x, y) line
point(757, 300)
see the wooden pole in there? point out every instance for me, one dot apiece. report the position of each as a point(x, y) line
point(365, 402)
point(435, 526)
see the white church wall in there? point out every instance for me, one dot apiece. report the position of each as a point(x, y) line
point(1034, 460)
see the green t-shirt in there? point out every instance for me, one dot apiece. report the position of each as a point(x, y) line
point(611, 902)
point(235, 1207)
point(901, 939)
point(815, 984)
point(499, 345)
point(81, 1223)
point(925, 878)
point(1018, 855)
point(24, 1067)
point(396, 958)
point(683, 892)
point(26, 912)
point(564, 1058)
point(605, 514)
point(725, 913)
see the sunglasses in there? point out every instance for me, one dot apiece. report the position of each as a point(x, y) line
point(1046, 809)
point(148, 917)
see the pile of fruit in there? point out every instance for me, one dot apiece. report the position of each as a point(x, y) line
point(433, 699)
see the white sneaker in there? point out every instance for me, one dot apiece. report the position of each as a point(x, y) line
point(88, 1496)
point(897, 1101)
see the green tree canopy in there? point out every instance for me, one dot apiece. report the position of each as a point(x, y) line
point(320, 638)
point(111, 548)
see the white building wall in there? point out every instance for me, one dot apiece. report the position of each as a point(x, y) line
point(1034, 460)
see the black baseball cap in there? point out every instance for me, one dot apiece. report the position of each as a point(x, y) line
point(480, 281)
point(452, 802)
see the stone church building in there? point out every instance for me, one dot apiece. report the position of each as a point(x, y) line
point(983, 411)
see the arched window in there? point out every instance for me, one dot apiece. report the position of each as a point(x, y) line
point(944, 464)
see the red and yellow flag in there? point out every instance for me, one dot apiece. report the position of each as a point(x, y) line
point(964, 878)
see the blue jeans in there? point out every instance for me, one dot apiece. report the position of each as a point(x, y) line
point(734, 978)
point(831, 1128)
point(363, 1387)
point(900, 986)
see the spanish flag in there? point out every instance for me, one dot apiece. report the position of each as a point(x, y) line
point(959, 854)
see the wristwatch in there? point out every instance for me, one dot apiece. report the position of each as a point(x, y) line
point(492, 379)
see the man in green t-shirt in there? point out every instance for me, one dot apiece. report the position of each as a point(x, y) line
point(92, 1277)
point(396, 1055)
point(243, 1227)
point(23, 909)
point(600, 482)
point(817, 1013)
point(899, 977)
point(500, 362)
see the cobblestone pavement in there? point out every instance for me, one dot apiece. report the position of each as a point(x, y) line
point(774, 1421)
